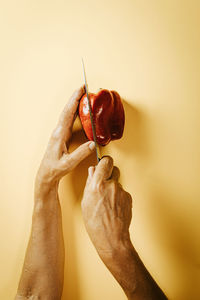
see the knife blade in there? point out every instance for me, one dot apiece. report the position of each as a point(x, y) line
point(91, 116)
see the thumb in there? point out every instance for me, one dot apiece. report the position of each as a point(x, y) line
point(104, 169)
point(80, 154)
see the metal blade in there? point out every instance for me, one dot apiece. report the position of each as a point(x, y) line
point(91, 115)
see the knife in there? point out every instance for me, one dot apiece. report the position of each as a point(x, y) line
point(91, 116)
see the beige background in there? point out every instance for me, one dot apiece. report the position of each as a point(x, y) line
point(149, 52)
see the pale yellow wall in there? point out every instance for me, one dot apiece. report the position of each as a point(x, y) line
point(149, 52)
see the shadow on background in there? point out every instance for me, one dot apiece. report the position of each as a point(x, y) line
point(172, 228)
point(134, 143)
point(135, 137)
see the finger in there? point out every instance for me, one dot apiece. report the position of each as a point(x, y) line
point(129, 197)
point(67, 117)
point(74, 158)
point(115, 174)
point(103, 169)
point(91, 171)
point(70, 108)
point(62, 132)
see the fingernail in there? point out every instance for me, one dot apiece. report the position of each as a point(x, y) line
point(92, 146)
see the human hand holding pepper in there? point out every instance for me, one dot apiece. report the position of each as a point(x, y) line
point(43, 271)
point(106, 208)
point(107, 215)
point(57, 161)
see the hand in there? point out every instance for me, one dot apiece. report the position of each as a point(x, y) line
point(106, 209)
point(107, 215)
point(57, 161)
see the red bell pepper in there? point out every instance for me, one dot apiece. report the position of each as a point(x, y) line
point(108, 116)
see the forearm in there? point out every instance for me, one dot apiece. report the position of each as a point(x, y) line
point(127, 268)
point(107, 213)
point(42, 273)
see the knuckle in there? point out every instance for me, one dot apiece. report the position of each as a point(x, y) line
point(52, 174)
point(129, 198)
point(56, 133)
point(98, 186)
point(116, 170)
point(83, 204)
point(113, 185)
point(108, 161)
point(66, 165)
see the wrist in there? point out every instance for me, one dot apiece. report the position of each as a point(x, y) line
point(121, 262)
point(118, 248)
point(45, 187)
point(123, 253)
point(46, 200)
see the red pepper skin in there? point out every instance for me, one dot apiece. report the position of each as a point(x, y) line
point(108, 116)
